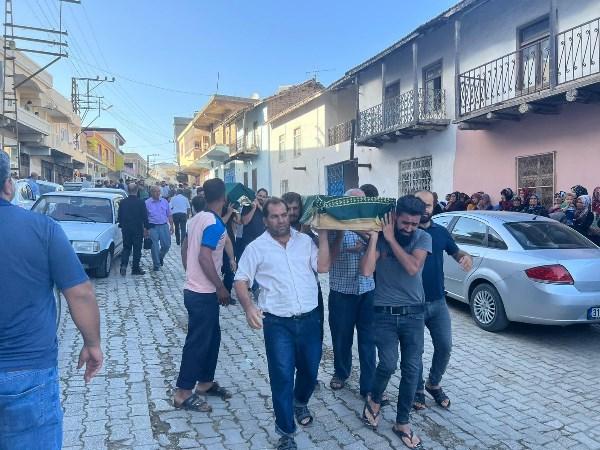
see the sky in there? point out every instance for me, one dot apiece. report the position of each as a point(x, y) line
point(169, 57)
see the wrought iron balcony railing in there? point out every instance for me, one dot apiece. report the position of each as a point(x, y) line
point(528, 70)
point(399, 112)
point(340, 133)
point(578, 51)
point(519, 73)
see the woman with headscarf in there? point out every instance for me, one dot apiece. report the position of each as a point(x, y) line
point(517, 204)
point(506, 196)
point(583, 215)
point(596, 201)
point(535, 207)
point(579, 190)
point(485, 203)
point(454, 204)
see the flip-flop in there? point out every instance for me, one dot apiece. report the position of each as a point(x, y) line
point(402, 435)
point(194, 403)
point(374, 414)
point(336, 383)
point(216, 391)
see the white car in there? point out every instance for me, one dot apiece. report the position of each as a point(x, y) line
point(89, 220)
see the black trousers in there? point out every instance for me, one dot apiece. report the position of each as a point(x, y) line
point(179, 220)
point(201, 349)
point(132, 239)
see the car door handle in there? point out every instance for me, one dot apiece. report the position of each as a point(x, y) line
point(475, 255)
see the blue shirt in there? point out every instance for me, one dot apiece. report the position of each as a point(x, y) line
point(344, 275)
point(35, 188)
point(433, 270)
point(35, 255)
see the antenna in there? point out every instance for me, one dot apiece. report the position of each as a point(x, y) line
point(218, 76)
point(316, 72)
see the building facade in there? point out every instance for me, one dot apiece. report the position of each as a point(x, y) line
point(529, 87)
point(135, 166)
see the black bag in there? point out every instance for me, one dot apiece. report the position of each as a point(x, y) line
point(147, 243)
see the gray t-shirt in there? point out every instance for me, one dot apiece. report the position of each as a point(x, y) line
point(393, 285)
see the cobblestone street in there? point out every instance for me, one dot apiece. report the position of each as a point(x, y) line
point(529, 387)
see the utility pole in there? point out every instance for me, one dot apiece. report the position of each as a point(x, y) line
point(86, 101)
point(153, 155)
point(13, 43)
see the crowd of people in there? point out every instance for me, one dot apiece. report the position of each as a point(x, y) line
point(576, 208)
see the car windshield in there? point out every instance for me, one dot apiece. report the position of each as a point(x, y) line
point(546, 236)
point(45, 188)
point(75, 209)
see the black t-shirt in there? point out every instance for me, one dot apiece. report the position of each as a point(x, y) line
point(254, 228)
point(433, 270)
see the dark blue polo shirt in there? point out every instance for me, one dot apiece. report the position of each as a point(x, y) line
point(35, 255)
point(433, 271)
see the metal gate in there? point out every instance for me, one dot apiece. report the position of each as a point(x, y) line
point(229, 175)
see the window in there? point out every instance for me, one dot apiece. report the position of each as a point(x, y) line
point(534, 55)
point(297, 142)
point(284, 187)
point(547, 235)
point(246, 179)
point(281, 147)
point(432, 88)
point(216, 173)
point(469, 231)
point(99, 152)
point(392, 90)
point(254, 180)
point(197, 144)
point(415, 175)
point(255, 137)
point(536, 173)
point(495, 241)
point(444, 221)
point(76, 209)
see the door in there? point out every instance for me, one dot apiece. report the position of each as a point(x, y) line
point(254, 180)
point(246, 179)
point(534, 56)
point(341, 177)
point(117, 233)
point(471, 236)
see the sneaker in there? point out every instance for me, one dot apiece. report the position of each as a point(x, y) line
point(123, 270)
point(138, 272)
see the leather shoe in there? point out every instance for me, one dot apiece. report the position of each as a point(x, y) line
point(123, 270)
point(138, 272)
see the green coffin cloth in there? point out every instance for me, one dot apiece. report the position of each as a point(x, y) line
point(351, 213)
point(239, 195)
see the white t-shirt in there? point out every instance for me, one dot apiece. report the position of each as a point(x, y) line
point(180, 204)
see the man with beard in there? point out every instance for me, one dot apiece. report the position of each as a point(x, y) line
point(399, 309)
point(252, 220)
point(437, 317)
point(283, 262)
point(294, 204)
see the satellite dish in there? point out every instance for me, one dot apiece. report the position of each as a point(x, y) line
point(255, 96)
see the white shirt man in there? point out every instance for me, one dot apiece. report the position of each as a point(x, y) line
point(284, 262)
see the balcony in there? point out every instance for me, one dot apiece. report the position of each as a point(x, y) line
point(404, 116)
point(243, 150)
point(340, 133)
point(31, 123)
point(534, 79)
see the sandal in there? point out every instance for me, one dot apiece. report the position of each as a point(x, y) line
point(216, 391)
point(385, 400)
point(194, 403)
point(336, 383)
point(419, 401)
point(402, 435)
point(303, 415)
point(439, 396)
point(286, 443)
point(375, 415)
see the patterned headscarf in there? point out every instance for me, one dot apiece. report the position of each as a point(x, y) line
point(596, 201)
point(579, 190)
point(587, 203)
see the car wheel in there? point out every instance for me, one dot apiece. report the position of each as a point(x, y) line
point(104, 270)
point(487, 308)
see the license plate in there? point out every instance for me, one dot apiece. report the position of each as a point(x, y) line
point(594, 313)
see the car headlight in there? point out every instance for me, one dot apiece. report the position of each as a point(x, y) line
point(86, 246)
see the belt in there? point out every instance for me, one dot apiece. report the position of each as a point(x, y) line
point(294, 317)
point(399, 310)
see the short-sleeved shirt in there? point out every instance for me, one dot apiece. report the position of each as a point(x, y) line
point(180, 204)
point(36, 255)
point(433, 270)
point(35, 188)
point(344, 274)
point(254, 228)
point(159, 211)
point(286, 275)
point(205, 229)
point(395, 286)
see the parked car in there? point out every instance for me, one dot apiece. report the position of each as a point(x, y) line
point(89, 220)
point(47, 186)
point(107, 190)
point(24, 197)
point(73, 185)
point(526, 268)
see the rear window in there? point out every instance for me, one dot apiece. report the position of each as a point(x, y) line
point(546, 236)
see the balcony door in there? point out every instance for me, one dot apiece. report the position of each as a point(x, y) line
point(533, 56)
point(432, 90)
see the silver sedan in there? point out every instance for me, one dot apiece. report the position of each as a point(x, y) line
point(525, 269)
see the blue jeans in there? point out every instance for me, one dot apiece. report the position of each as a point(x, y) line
point(293, 346)
point(30, 411)
point(437, 321)
point(161, 242)
point(201, 350)
point(346, 312)
point(409, 330)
